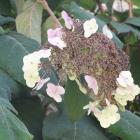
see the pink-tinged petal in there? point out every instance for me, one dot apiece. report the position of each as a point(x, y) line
point(107, 101)
point(54, 33)
point(55, 92)
point(92, 83)
point(68, 20)
point(60, 90)
point(58, 98)
point(41, 83)
point(55, 38)
point(51, 89)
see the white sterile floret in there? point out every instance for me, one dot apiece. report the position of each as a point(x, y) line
point(90, 27)
point(120, 6)
point(31, 64)
point(104, 6)
point(126, 90)
point(107, 32)
point(125, 78)
point(108, 116)
point(45, 53)
point(31, 77)
point(128, 93)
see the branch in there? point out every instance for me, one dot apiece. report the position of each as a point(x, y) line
point(130, 3)
point(100, 6)
point(45, 5)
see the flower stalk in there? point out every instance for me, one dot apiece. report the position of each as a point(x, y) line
point(45, 5)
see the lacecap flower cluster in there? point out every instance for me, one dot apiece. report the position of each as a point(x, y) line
point(80, 50)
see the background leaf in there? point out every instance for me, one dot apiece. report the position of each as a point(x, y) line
point(5, 7)
point(124, 28)
point(13, 48)
point(134, 21)
point(74, 100)
point(29, 21)
point(32, 118)
point(59, 127)
point(5, 20)
point(11, 128)
point(8, 87)
point(128, 128)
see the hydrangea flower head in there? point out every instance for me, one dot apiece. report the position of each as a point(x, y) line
point(68, 20)
point(90, 27)
point(95, 57)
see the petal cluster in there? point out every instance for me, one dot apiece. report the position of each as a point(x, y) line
point(120, 6)
point(126, 90)
point(90, 27)
point(55, 38)
point(31, 64)
point(55, 92)
point(108, 116)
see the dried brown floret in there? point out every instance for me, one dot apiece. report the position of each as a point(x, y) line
point(97, 56)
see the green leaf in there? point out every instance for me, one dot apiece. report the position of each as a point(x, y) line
point(135, 64)
point(134, 21)
point(80, 13)
point(136, 2)
point(128, 128)
point(13, 48)
point(59, 127)
point(5, 20)
point(124, 28)
point(18, 5)
point(1, 30)
point(8, 105)
point(8, 87)
point(88, 4)
point(11, 128)
point(5, 7)
point(29, 21)
point(32, 118)
point(74, 100)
